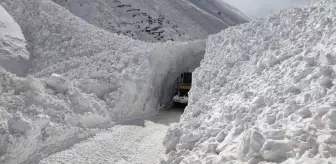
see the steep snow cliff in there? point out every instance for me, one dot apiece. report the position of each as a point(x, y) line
point(264, 93)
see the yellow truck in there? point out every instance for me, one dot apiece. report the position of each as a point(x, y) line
point(183, 86)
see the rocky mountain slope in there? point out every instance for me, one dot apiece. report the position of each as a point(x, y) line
point(157, 20)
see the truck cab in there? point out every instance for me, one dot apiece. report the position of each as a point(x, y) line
point(182, 89)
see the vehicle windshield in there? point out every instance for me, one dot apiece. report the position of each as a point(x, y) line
point(187, 77)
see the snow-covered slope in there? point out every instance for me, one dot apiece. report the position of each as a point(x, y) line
point(261, 8)
point(222, 10)
point(157, 20)
point(264, 93)
point(14, 56)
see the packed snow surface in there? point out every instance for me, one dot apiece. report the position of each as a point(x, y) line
point(134, 142)
point(120, 145)
point(264, 93)
point(157, 20)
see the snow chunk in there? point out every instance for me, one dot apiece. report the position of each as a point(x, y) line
point(276, 150)
point(251, 145)
point(18, 124)
point(326, 82)
point(58, 82)
point(305, 113)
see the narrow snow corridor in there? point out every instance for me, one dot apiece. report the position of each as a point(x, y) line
point(137, 141)
point(164, 77)
point(153, 88)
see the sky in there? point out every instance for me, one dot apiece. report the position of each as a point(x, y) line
point(262, 8)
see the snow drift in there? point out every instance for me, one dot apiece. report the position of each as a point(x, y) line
point(264, 93)
point(157, 20)
point(81, 78)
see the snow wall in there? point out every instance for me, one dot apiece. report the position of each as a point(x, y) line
point(82, 78)
point(264, 93)
point(13, 52)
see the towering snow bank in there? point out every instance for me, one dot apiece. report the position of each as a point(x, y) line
point(122, 72)
point(14, 56)
point(264, 93)
point(156, 20)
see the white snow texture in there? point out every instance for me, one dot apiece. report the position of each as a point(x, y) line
point(81, 78)
point(264, 93)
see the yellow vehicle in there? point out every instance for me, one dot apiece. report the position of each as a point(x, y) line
point(183, 86)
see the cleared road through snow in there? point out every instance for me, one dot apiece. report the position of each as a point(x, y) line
point(137, 141)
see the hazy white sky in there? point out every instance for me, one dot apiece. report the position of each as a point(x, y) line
point(261, 8)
